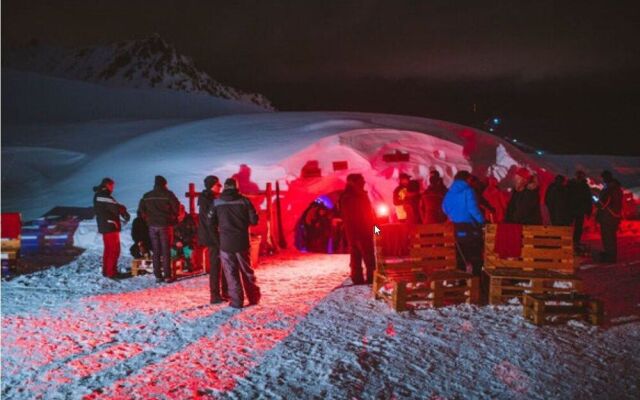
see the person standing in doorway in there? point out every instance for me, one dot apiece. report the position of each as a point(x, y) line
point(108, 214)
point(233, 213)
point(159, 209)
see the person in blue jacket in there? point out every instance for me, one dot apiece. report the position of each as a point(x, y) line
point(461, 206)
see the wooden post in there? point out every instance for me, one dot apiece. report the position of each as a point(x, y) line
point(268, 196)
point(282, 242)
point(192, 194)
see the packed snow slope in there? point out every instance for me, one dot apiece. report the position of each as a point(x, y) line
point(29, 97)
point(40, 172)
point(69, 333)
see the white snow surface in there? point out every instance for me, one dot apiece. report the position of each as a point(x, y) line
point(274, 145)
point(69, 333)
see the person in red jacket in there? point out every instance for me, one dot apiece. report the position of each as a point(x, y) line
point(497, 199)
point(358, 216)
point(108, 214)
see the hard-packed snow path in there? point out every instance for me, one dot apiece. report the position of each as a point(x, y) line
point(309, 338)
point(159, 342)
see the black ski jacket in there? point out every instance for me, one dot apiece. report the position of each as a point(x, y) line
point(207, 233)
point(580, 202)
point(108, 211)
point(233, 213)
point(159, 207)
point(524, 207)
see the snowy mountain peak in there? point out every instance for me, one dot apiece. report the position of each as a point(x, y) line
point(145, 63)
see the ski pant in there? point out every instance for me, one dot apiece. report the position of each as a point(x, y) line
point(217, 281)
point(578, 222)
point(608, 231)
point(111, 253)
point(470, 246)
point(161, 244)
point(361, 248)
point(239, 274)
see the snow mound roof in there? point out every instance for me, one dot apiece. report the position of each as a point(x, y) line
point(274, 145)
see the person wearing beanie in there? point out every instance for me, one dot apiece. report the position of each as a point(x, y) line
point(356, 212)
point(159, 208)
point(210, 240)
point(233, 213)
point(609, 214)
point(524, 205)
point(108, 214)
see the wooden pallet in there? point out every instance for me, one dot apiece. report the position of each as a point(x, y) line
point(508, 283)
point(544, 309)
point(438, 289)
point(429, 248)
point(544, 248)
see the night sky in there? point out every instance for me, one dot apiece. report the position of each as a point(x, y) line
point(564, 76)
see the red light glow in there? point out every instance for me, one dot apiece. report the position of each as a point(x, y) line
point(382, 210)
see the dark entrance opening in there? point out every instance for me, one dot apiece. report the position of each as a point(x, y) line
point(319, 230)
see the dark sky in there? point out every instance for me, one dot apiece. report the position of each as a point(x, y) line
point(430, 58)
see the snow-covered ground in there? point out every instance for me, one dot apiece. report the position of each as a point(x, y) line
point(68, 333)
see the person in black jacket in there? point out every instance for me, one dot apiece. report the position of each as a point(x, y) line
point(208, 237)
point(609, 215)
point(108, 213)
point(233, 213)
point(580, 205)
point(159, 209)
point(524, 206)
point(557, 201)
point(141, 246)
point(358, 216)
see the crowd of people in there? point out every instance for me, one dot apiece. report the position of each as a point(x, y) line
point(163, 230)
point(470, 203)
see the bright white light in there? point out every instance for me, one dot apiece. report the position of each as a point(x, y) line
point(514, 140)
point(382, 210)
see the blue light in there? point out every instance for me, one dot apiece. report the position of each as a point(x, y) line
point(539, 152)
point(496, 121)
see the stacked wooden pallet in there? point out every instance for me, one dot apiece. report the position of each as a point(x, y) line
point(546, 264)
point(555, 308)
point(425, 274)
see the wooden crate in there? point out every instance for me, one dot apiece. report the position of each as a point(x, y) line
point(440, 288)
point(544, 248)
point(555, 308)
point(505, 284)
